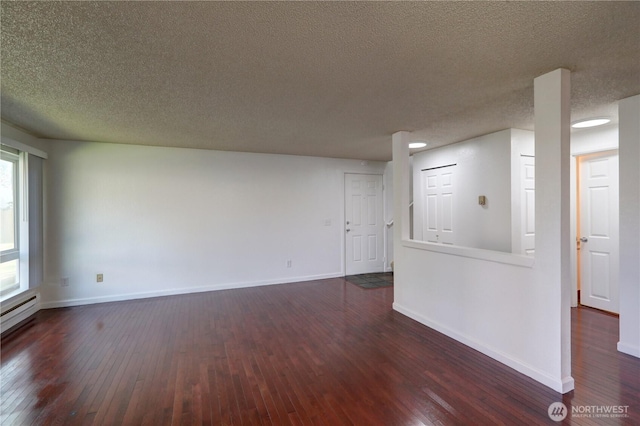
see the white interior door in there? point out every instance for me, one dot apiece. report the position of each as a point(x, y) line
point(364, 227)
point(437, 204)
point(598, 231)
point(527, 205)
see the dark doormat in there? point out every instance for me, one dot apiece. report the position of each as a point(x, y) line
point(382, 279)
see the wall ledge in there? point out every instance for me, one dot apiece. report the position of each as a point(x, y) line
point(473, 253)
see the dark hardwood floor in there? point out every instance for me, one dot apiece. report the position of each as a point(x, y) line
point(323, 352)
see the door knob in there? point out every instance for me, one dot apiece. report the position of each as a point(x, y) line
point(584, 239)
point(348, 229)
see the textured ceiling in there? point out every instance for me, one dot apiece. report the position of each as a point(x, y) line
point(332, 79)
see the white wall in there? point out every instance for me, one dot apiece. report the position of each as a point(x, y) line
point(583, 141)
point(595, 139)
point(510, 307)
point(160, 221)
point(483, 167)
point(629, 115)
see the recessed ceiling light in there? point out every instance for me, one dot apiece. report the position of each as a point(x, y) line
point(591, 122)
point(414, 145)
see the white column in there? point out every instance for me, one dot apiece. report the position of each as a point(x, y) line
point(552, 147)
point(629, 285)
point(401, 186)
point(400, 151)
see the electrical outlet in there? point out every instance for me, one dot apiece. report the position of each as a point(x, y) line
point(64, 282)
point(288, 263)
point(99, 278)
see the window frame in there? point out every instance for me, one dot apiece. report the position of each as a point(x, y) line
point(13, 254)
point(16, 254)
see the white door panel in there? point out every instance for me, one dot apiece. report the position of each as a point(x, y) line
point(364, 227)
point(527, 205)
point(599, 231)
point(438, 186)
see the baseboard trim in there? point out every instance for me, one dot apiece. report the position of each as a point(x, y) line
point(177, 291)
point(629, 349)
point(564, 385)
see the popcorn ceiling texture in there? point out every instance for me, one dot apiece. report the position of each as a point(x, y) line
point(331, 79)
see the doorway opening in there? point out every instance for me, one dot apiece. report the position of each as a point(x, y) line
point(597, 231)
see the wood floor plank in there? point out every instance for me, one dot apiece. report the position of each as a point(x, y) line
point(322, 352)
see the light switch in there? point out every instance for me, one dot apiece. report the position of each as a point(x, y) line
point(482, 200)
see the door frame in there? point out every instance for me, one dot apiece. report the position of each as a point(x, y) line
point(573, 212)
point(386, 225)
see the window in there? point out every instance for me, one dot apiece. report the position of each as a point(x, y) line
point(21, 218)
point(9, 221)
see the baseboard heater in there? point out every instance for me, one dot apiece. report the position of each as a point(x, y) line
point(18, 310)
